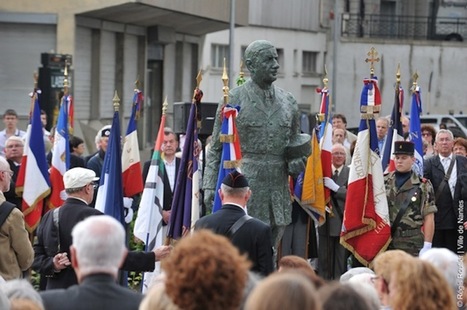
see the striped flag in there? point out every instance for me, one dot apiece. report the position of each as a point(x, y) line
point(309, 188)
point(148, 224)
point(109, 198)
point(325, 139)
point(185, 203)
point(131, 163)
point(366, 231)
point(415, 129)
point(33, 182)
point(60, 157)
point(394, 133)
point(231, 152)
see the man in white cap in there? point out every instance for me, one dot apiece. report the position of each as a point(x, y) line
point(52, 256)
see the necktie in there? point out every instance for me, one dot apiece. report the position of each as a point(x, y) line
point(335, 175)
point(446, 161)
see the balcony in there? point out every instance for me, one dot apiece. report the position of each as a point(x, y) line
point(404, 27)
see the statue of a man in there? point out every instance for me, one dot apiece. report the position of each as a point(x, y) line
point(272, 147)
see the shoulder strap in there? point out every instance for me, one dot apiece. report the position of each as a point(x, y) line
point(403, 209)
point(236, 226)
point(5, 209)
point(55, 218)
point(445, 181)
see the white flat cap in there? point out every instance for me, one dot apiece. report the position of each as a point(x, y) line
point(78, 177)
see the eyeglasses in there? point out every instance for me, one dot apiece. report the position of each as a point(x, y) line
point(338, 154)
point(9, 172)
point(426, 134)
point(94, 185)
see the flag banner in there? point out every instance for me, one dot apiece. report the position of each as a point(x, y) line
point(366, 231)
point(231, 152)
point(394, 132)
point(148, 224)
point(185, 204)
point(60, 157)
point(109, 198)
point(415, 129)
point(309, 188)
point(325, 138)
point(131, 163)
point(33, 182)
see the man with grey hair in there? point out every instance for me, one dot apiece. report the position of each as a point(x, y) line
point(272, 146)
point(97, 251)
point(249, 235)
point(446, 172)
point(16, 254)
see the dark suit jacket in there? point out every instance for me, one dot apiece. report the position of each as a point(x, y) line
point(334, 224)
point(448, 210)
point(11, 194)
point(72, 212)
point(168, 194)
point(253, 238)
point(98, 291)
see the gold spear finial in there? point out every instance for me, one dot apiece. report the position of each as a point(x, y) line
point(116, 102)
point(225, 80)
point(398, 75)
point(137, 82)
point(165, 104)
point(325, 79)
point(373, 57)
point(321, 117)
point(199, 78)
point(35, 76)
point(65, 79)
point(415, 80)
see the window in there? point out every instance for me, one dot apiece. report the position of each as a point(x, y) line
point(218, 53)
point(309, 60)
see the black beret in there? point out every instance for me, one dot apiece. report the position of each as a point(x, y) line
point(235, 180)
point(403, 147)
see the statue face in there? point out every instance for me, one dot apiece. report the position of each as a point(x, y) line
point(266, 67)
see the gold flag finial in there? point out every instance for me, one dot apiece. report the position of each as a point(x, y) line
point(65, 79)
point(373, 57)
point(165, 104)
point(116, 102)
point(137, 82)
point(199, 78)
point(398, 74)
point(415, 80)
point(225, 88)
point(325, 79)
point(35, 76)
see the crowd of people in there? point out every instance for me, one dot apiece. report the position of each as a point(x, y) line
point(259, 251)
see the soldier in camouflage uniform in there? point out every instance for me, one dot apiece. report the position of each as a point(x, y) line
point(404, 187)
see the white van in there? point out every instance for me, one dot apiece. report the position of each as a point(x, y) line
point(457, 123)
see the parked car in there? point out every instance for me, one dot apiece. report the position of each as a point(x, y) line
point(457, 123)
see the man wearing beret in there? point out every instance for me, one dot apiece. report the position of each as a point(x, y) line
point(411, 204)
point(95, 163)
point(249, 235)
point(52, 248)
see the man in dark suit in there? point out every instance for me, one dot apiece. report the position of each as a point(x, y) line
point(447, 175)
point(332, 257)
point(97, 251)
point(14, 148)
point(52, 247)
point(248, 234)
point(172, 164)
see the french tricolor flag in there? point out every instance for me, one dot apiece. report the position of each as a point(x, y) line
point(60, 157)
point(131, 163)
point(366, 230)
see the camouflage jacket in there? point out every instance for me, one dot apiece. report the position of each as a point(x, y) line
point(408, 235)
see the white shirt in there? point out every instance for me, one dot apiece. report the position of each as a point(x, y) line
point(453, 177)
point(170, 170)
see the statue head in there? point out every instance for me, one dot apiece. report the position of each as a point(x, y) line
point(261, 61)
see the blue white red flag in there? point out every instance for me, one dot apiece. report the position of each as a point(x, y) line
point(33, 182)
point(60, 157)
point(366, 230)
point(394, 132)
point(131, 163)
point(325, 140)
point(148, 224)
point(231, 152)
point(415, 130)
point(185, 203)
point(109, 198)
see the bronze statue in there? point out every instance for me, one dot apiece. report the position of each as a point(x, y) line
point(272, 146)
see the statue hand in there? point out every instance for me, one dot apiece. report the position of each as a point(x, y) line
point(209, 198)
point(296, 166)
